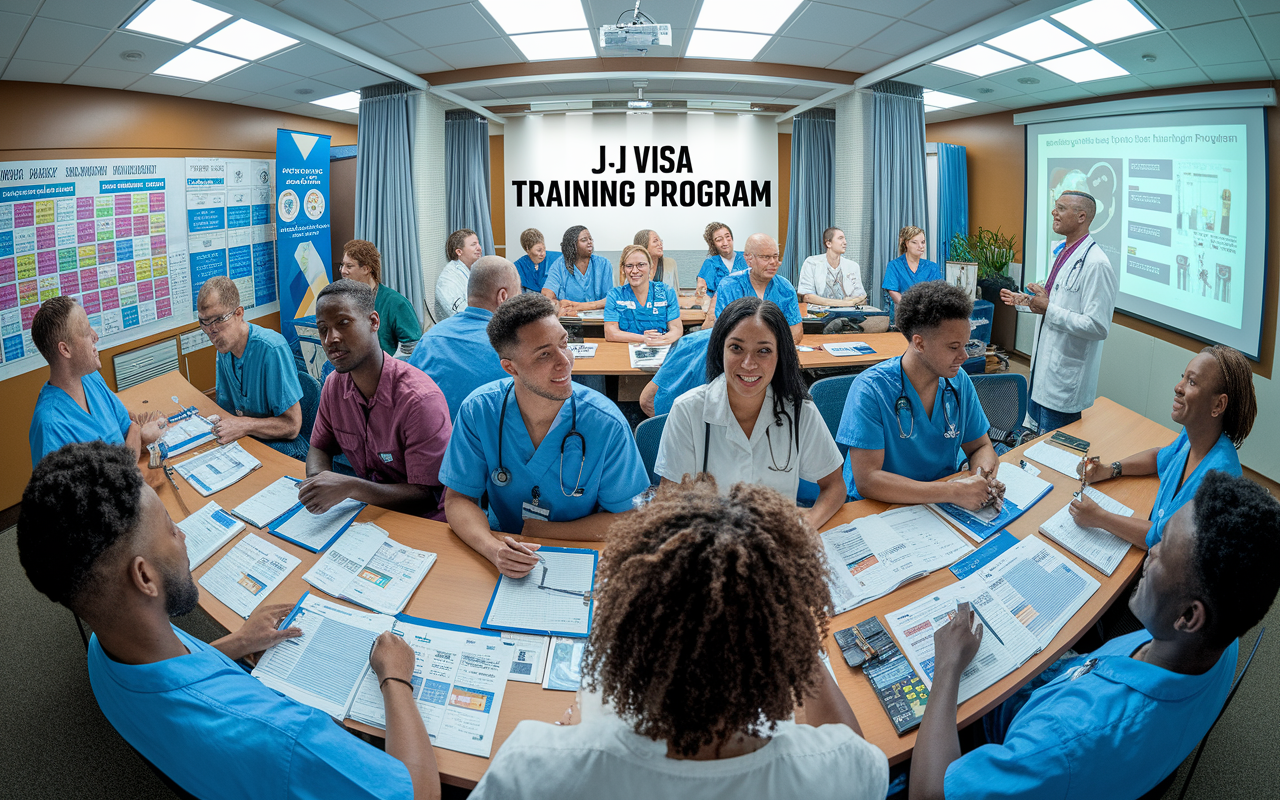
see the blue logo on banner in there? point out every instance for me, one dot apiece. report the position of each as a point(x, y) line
point(302, 223)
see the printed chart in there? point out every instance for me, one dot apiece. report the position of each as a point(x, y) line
point(231, 225)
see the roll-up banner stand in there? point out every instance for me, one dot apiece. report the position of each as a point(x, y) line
point(302, 223)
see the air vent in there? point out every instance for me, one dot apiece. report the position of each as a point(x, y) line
point(145, 363)
point(607, 105)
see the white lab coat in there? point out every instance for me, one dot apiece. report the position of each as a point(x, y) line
point(813, 277)
point(1067, 352)
point(451, 289)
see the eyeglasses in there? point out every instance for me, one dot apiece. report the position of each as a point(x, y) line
point(768, 259)
point(213, 323)
point(635, 267)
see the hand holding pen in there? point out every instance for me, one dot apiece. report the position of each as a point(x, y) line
point(515, 559)
point(1085, 469)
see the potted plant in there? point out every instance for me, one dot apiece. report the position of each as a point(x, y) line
point(992, 251)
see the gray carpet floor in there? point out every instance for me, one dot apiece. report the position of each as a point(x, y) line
point(58, 744)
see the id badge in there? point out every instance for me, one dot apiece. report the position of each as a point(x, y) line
point(533, 511)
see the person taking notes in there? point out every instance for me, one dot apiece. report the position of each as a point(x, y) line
point(399, 326)
point(1216, 406)
point(388, 418)
point(753, 421)
point(1113, 723)
point(557, 459)
point(463, 249)
point(912, 420)
point(910, 267)
point(95, 538)
point(76, 405)
point(831, 279)
point(579, 279)
point(698, 592)
point(762, 280)
point(256, 378)
point(641, 310)
point(535, 261)
point(721, 261)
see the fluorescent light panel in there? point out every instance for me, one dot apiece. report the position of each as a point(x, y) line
point(724, 45)
point(180, 20)
point(551, 46)
point(526, 16)
point(1039, 40)
point(244, 39)
point(746, 16)
point(979, 60)
point(1083, 67)
point(347, 101)
point(199, 65)
point(1106, 20)
point(941, 100)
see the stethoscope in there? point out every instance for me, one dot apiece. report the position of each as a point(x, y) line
point(1075, 274)
point(904, 404)
point(502, 476)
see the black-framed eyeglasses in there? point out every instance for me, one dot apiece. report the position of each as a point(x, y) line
point(211, 323)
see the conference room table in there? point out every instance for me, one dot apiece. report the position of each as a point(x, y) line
point(691, 318)
point(458, 587)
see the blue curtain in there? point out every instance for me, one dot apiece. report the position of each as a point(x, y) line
point(813, 142)
point(898, 188)
point(953, 196)
point(385, 212)
point(466, 154)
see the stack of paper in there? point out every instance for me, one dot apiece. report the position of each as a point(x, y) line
point(186, 430)
point(207, 530)
point(217, 469)
point(555, 599)
point(315, 532)
point(646, 357)
point(270, 504)
point(1099, 548)
point(848, 348)
point(247, 574)
point(1021, 491)
point(1055, 458)
point(367, 568)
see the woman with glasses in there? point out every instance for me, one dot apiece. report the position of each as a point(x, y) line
point(579, 279)
point(641, 310)
point(753, 420)
point(664, 266)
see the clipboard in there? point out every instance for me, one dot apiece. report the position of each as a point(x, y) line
point(511, 586)
point(274, 528)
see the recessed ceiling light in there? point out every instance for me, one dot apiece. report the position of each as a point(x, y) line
point(561, 44)
point(941, 100)
point(523, 16)
point(1038, 40)
point(1029, 81)
point(199, 65)
point(181, 20)
point(1106, 20)
point(747, 16)
point(244, 39)
point(133, 55)
point(979, 60)
point(347, 101)
point(1087, 66)
point(724, 45)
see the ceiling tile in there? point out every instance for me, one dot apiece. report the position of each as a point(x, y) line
point(104, 78)
point(1128, 54)
point(329, 15)
point(353, 78)
point(479, 94)
point(11, 28)
point(380, 39)
point(386, 9)
point(985, 90)
point(1260, 6)
point(256, 78)
point(263, 101)
point(156, 53)
point(684, 86)
point(1227, 42)
point(1175, 77)
point(100, 13)
point(1018, 101)
point(419, 62)
point(221, 94)
point(805, 92)
point(159, 84)
point(1063, 95)
point(1184, 13)
point(823, 23)
point(60, 42)
point(977, 109)
point(1120, 85)
point(944, 115)
point(307, 110)
point(22, 6)
point(1248, 71)
point(578, 87)
point(934, 77)
point(860, 60)
point(306, 60)
point(1267, 28)
point(654, 87)
point(890, 8)
point(784, 50)
point(901, 38)
point(38, 71)
point(317, 89)
point(1047, 80)
point(478, 54)
point(447, 26)
point(349, 117)
point(951, 16)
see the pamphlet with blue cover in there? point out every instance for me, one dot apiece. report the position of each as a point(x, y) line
point(1022, 491)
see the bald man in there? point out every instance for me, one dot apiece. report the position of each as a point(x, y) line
point(1075, 306)
point(456, 352)
point(762, 280)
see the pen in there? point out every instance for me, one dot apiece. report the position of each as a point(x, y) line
point(1085, 461)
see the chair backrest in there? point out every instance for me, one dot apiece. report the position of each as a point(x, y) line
point(829, 395)
point(310, 401)
point(648, 437)
point(1004, 399)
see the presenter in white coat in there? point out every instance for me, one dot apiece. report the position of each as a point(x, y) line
point(1076, 304)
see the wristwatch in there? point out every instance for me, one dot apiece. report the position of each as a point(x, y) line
point(1116, 471)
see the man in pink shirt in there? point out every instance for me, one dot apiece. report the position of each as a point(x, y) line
point(388, 418)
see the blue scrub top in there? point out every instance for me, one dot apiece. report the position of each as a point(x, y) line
point(660, 307)
point(612, 471)
point(1063, 738)
point(1170, 462)
point(219, 732)
point(577, 287)
point(898, 277)
point(684, 368)
point(713, 270)
point(870, 423)
point(456, 354)
point(534, 276)
point(261, 383)
point(779, 290)
point(59, 420)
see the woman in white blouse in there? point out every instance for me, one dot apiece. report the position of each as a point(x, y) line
point(742, 424)
point(831, 279)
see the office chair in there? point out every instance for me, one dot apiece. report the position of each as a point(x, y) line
point(310, 402)
point(1004, 401)
point(829, 395)
point(648, 437)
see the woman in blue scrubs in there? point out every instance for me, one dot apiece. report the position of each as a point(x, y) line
point(910, 267)
point(1215, 404)
point(641, 310)
point(579, 279)
point(721, 261)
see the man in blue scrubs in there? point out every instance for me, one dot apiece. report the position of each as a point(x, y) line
point(912, 420)
point(762, 280)
point(684, 368)
point(1115, 722)
point(456, 353)
point(557, 459)
point(94, 537)
point(76, 405)
point(257, 380)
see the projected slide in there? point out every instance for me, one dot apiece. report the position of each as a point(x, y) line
point(1176, 213)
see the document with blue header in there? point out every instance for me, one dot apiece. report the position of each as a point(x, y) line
point(315, 532)
point(207, 530)
point(1021, 491)
point(217, 469)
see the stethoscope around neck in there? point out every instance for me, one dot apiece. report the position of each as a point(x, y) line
point(903, 403)
point(502, 476)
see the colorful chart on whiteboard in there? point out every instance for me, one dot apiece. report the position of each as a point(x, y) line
point(107, 232)
point(231, 225)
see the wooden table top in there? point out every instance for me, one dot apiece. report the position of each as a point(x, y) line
point(691, 318)
point(459, 585)
point(611, 357)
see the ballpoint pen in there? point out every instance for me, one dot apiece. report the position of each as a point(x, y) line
point(1085, 461)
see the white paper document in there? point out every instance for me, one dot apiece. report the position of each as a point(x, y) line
point(528, 656)
point(553, 599)
point(1055, 458)
point(315, 532)
point(369, 569)
point(595, 313)
point(1038, 585)
point(207, 530)
point(564, 664)
point(269, 504)
point(1098, 548)
point(217, 469)
point(248, 573)
point(848, 348)
point(187, 434)
point(647, 357)
point(583, 349)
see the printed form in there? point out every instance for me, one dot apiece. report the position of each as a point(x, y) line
point(217, 469)
point(207, 530)
point(554, 598)
point(268, 505)
point(369, 569)
point(1100, 549)
point(248, 573)
point(317, 531)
